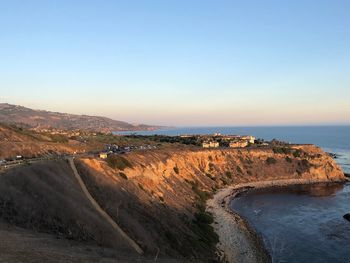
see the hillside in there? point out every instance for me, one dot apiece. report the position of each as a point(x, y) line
point(157, 197)
point(17, 141)
point(41, 119)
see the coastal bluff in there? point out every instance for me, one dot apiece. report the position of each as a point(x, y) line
point(160, 198)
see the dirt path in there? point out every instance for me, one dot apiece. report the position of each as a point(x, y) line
point(98, 208)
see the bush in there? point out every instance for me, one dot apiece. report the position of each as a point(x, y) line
point(202, 227)
point(141, 187)
point(228, 174)
point(224, 181)
point(211, 166)
point(203, 218)
point(59, 138)
point(271, 160)
point(202, 195)
point(282, 150)
point(288, 159)
point(176, 170)
point(297, 153)
point(304, 166)
point(210, 176)
point(116, 161)
point(123, 175)
point(239, 169)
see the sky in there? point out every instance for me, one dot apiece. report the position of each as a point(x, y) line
point(180, 62)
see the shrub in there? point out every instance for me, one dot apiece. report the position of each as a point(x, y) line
point(210, 176)
point(203, 229)
point(176, 170)
point(249, 172)
point(59, 138)
point(123, 175)
point(141, 187)
point(282, 150)
point(203, 218)
point(288, 159)
point(239, 169)
point(202, 195)
point(211, 166)
point(116, 161)
point(271, 160)
point(228, 174)
point(297, 153)
point(223, 181)
point(304, 165)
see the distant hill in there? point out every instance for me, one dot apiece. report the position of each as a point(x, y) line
point(40, 119)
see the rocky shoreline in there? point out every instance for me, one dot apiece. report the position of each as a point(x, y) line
point(238, 240)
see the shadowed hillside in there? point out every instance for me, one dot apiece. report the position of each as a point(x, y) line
point(46, 119)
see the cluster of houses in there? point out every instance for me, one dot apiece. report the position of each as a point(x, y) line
point(112, 149)
point(68, 133)
point(232, 141)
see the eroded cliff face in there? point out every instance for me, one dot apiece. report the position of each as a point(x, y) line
point(156, 196)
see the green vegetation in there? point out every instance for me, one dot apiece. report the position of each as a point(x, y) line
point(117, 161)
point(211, 166)
point(123, 175)
point(304, 166)
point(224, 181)
point(239, 170)
point(203, 196)
point(201, 226)
point(288, 159)
point(141, 187)
point(271, 160)
point(249, 161)
point(176, 169)
point(59, 138)
point(191, 140)
point(282, 150)
point(297, 153)
point(210, 176)
point(205, 236)
point(228, 174)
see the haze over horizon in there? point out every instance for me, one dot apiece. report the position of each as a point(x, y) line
point(180, 63)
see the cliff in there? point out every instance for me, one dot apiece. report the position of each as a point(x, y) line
point(157, 197)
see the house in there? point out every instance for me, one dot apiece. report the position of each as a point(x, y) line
point(210, 144)
point(239, 144)
point(103, 155)
point(249, 138)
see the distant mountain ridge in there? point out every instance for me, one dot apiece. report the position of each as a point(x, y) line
point(41, 119)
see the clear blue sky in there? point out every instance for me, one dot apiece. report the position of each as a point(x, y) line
point(180, 62)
